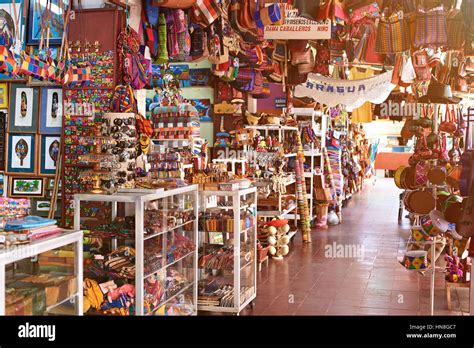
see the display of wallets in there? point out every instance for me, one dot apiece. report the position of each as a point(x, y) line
point(223, 222)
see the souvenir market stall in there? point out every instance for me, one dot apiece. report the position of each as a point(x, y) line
point(194, 140)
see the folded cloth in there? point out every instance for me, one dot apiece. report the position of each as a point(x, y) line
point(26, 222)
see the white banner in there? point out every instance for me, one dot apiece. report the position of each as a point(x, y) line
point(350, 93)
point(298, 28)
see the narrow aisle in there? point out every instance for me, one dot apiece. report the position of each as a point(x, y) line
point(352, 268)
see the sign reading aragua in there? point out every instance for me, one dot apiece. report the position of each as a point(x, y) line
point(298, 28)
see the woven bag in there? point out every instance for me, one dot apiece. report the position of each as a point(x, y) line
point(393, 34)
point(431, 28)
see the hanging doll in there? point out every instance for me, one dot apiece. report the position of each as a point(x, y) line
point(454, 269)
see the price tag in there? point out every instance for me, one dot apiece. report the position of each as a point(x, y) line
point(3, 239)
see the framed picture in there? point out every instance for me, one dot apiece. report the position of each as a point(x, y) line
point(40, 207)
point(51, 113)
point(26, 187)
point(23, 109)
point(52, 183)
point(9, 32)
point(3, 96)
point(2, 184)
point(35, 12)
point(49, 154)
point(21, 153)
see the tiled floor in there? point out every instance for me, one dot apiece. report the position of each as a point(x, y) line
point(372, 282)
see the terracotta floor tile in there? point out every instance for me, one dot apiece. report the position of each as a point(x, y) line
point(323, 285)
point(373, 311)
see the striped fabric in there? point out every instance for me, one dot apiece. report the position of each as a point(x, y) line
point(431, 27)
point(206, 11)
point(456, 32)
point(392, 34)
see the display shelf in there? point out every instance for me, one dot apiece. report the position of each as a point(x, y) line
point(32, 252)
point(309, 115)
point(149, 274)
point(273, 213)
point(139, 205)
point(169, 299)
point(242, 250)
point(272, 127)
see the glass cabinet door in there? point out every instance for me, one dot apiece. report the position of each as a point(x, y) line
point(169, 258)
point(45, 284)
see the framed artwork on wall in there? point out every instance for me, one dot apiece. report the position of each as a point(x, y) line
point(49, 154)
point(25, 187)
point(51, 112)
point(21, 153)
point(3, 96)
point(52, 183)
point(23, 109)
point(9, 33)
point(35, 11)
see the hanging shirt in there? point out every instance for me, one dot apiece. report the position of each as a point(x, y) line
point(362, 114)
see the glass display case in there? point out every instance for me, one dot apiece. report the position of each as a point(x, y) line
point(43, 277)
point(227, 250)
point(145, 260)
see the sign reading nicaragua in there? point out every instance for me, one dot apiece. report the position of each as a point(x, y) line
point(298, 28)
point(351, 93)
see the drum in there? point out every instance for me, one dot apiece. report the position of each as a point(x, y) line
point(454, 212)
point(415, 260)
point(451, 200)
point(419, 202)
point(434, 223)
point(398, 175)
point(419, 235)
point(437, 175)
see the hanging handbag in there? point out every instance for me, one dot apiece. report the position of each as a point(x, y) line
point(247, 13)
point(325, 10)
point(431, 29)
point(421, 173)
point(420, 64)
point(204, 12)
point(323, 57)
point(308, 9)
point(79, 75)
point(174, 3)
point(456, 31)
point(392, 34)
point(123, 99)
point(449, 124)
point(306, 68)
point(32, 65)
point(304, 57)
point(8, 63)
point(267, 15)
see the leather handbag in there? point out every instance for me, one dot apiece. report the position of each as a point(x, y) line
point(306, 68)
point(305, 57)
point(449, 125)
